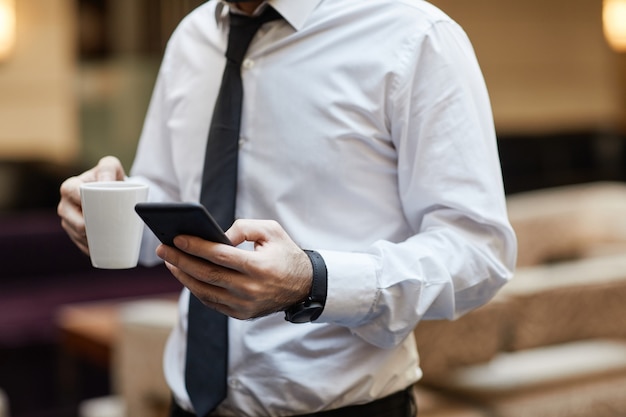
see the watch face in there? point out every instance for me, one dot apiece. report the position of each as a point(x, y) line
point(304, 312)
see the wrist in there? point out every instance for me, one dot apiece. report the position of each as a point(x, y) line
point(312, 306)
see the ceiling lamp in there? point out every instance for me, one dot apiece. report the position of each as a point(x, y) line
point(7, 28)
point(614, 23)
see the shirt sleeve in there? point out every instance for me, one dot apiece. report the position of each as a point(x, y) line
point(463, 248)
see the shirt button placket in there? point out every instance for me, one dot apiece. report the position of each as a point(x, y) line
point(234, 383)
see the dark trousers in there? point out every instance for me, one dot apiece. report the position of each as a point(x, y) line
point(400, 404)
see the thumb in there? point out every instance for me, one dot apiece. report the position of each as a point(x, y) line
point(253, 230)
point(109, 168)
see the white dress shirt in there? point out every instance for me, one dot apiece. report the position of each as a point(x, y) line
point(367, 134)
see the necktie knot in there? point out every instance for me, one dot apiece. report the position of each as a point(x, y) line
point(242, 30)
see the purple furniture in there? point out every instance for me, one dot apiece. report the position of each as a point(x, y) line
point(40, 270)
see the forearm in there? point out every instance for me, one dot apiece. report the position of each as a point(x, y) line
point(381, 294)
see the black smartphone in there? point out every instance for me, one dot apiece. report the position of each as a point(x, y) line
point(168, 220)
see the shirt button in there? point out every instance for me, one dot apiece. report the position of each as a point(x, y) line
point(234, 383)
point(247, 63)
point(242, 142)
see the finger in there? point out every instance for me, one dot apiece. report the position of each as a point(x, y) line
point(74, 226)
point(258, 231)
point(69, 207)
point(223, 289)
point(76, 234)
point(69, 210)
point(81, 244)
point(217, 253)
point(210, 295)
point(198, 268)
point(109, 168)
point(70, 191)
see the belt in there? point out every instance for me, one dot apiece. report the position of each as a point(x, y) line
point(400, 404)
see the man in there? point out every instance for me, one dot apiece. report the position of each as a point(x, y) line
point(367, 137)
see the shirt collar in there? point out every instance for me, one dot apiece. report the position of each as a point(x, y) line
point(295, 12)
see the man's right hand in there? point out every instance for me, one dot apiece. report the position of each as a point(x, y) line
point(70, 210)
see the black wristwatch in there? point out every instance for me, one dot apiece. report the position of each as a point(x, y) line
point(311, 308)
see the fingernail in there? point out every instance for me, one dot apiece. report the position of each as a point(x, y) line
point(181, 242)
point(161, 251)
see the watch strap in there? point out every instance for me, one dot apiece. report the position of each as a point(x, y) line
point(311, 308)
point(319, 286)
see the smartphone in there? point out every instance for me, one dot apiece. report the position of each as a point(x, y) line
point(168, 220)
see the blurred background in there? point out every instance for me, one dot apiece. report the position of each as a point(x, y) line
point(75, 81)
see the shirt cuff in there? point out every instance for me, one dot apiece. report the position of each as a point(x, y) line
point(352, 288)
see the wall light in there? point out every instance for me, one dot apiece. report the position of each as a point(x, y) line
point(614, 22)
point(7, 28)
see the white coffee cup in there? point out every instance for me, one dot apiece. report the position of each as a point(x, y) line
point(114, 229)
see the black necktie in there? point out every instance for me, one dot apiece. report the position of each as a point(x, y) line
point(207, 334)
